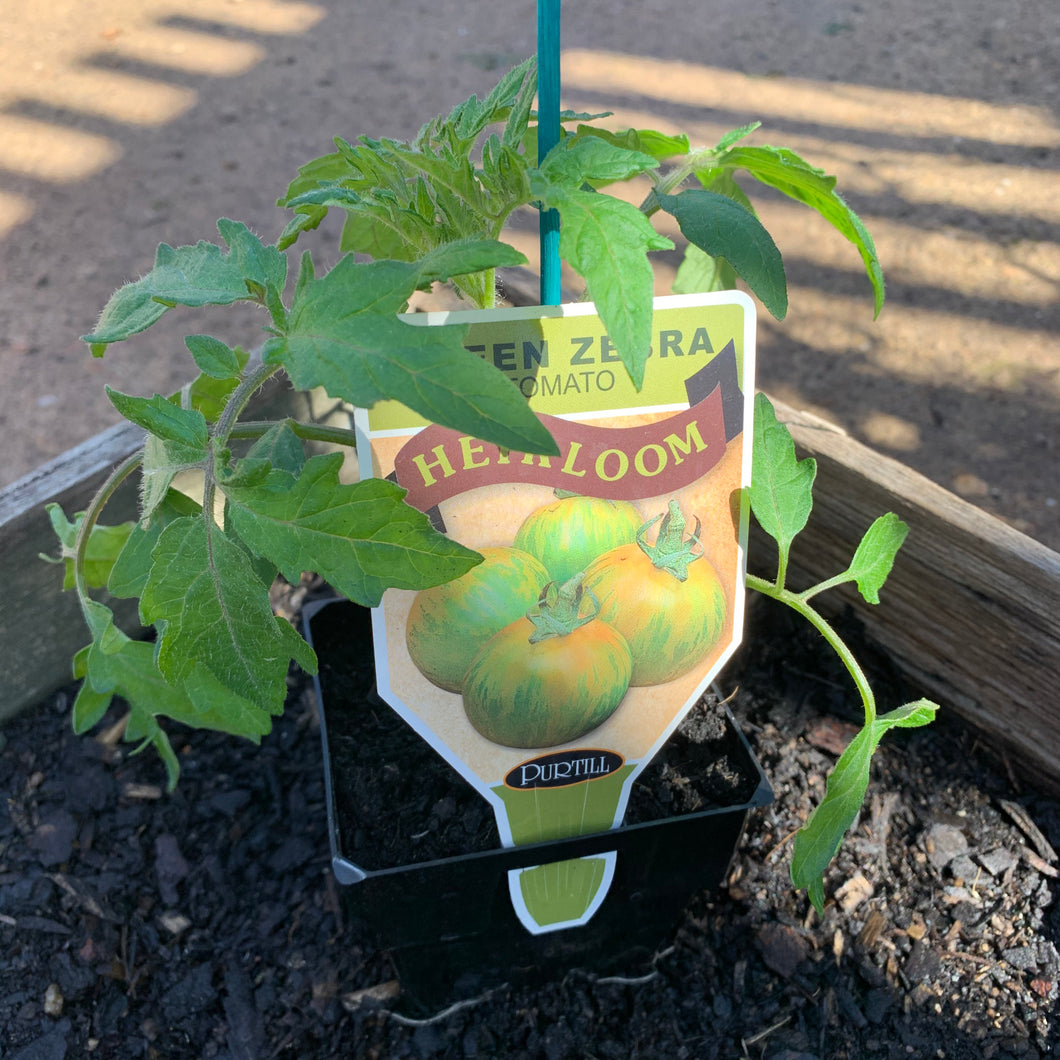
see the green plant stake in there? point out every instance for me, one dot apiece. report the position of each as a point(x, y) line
point(548, 121)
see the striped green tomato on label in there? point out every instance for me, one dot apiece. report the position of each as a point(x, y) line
point(568, 534)
point(550, 677)
point(665, 598)
point(449, 623)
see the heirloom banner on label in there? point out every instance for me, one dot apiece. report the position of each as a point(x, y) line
point(611, 587)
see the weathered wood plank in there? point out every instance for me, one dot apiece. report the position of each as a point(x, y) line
point(41, 626)
point(971, 612)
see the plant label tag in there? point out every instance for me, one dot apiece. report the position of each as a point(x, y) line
point(611, 590)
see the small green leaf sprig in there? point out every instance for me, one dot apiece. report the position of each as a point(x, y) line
point(781, 496)
point(402, 199)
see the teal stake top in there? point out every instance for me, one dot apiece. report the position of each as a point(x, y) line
point(548, 132)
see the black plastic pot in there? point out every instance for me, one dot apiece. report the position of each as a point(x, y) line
point(417, 853)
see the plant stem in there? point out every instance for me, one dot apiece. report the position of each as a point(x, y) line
point(92, 513)
point(677, 176)
point(310, 432)
point(254, 378)
point(798, 602)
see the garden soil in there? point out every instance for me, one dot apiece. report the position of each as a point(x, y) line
point(207, 923)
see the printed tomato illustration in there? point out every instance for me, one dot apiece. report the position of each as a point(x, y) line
point(665, 598)
point(551, 676)
point(568, 534)
point(449, 623)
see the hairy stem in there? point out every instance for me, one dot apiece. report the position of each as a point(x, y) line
point(254, 377)
point(675, 178)
point(798, 602)
point(91, 516)
point(310, 432)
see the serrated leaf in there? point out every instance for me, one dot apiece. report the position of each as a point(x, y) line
point(132, 674)
point(344, 336)
point(577, 160)
point(362, 538)
point(258, 263)
point(699, 272)
point(326, 168)
point(875, 554)
point(215, 616)
point(163, 418)
point(402, 198)
point(721, 227)
point(783, 169)
point(817, 842)
point(104, 545)
point(128, 575)
point(519, 115)
point(781, 485)
point(465, 256)
point(607, 242)
point(213, 357)
point(196, 275)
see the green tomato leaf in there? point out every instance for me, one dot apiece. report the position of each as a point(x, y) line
point(262, 266)
point(723, 228)
point(208, 394)
point(128, 575)
point(783, 169)
point(100, 621)
point(464, 256)
point(736, 135)
point(133, 674)
point(103, 547)
point(372, 230)
point(213, 357)
point(89, 707)
point(646, 141)
point(280, 447)
point(216, 625)
point(162, 462)
point(163, 418)
point(698, 272)
point(197, 275)
point(781, 485)
point(577, 160)
point(817, 842)
point(875, 554)
point(607, 241)
point(344, 335)
point(362, 537)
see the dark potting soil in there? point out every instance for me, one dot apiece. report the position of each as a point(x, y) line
point(207, 923)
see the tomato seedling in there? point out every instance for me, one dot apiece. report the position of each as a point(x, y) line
point(426, 211)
